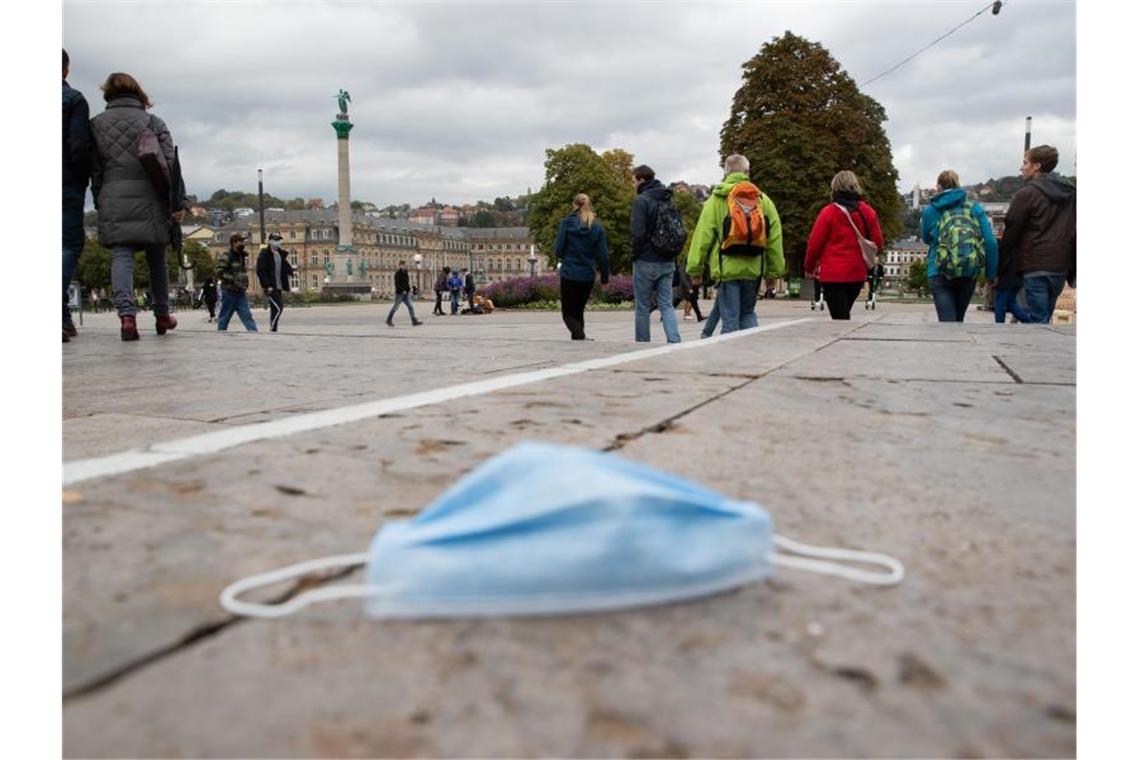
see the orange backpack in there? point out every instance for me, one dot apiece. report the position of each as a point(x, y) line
point(745, 230)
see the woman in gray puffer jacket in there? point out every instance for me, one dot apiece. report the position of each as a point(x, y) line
point(132, 215)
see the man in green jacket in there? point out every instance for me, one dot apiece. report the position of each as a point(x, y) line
point(737, 277)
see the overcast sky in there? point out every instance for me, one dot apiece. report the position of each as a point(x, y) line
point(458, 101)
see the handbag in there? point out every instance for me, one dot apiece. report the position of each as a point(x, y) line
point(148, 150)
point(867, 247)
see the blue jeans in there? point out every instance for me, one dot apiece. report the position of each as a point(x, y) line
point(1005, 299)
point(454, 302)
point(653, 281)
point(952, 297)
point(238, 302)
point(737, 302)
point(72, 238)
point(1041, 293)
point(401, 298)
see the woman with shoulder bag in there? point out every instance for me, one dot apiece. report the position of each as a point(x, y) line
point(841, 244)
point(133, 214)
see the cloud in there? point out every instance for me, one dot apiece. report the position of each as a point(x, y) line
point(460, 101)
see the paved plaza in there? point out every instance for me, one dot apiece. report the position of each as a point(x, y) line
point(950, 447)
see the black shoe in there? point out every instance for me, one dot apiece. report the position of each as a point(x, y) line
point(416, 323)
point(389, 323)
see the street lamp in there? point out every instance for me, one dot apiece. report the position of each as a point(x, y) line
point(533, 259)
point(261, 205)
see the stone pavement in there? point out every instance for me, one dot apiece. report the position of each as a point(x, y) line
point(950, 447)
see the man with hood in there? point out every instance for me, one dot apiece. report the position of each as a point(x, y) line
point(737, 276)
point(273, 273)
point(1040, 239)
point(652, 268)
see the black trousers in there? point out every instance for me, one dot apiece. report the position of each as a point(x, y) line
point(692, 299)
point(211, 305)
point(840, 297)
point(276, 306)
point(438, 310)
point(574, 297)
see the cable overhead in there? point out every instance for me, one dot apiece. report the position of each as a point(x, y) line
point(996, 6)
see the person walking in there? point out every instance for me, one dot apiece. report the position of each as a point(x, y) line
point(653, 268)
point(132, 212)
point(76, 172)
point(1040, 238)
point(273, 273)
point(440, 288)
point(454, 286)
point(469, 288)
point(689, 293)
point(834, 244)
point(234, 278)
point(210, 297)
point(403, 296)
point(961, 242)
point(739, 235)
point(580, 249)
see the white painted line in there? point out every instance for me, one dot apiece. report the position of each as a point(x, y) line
point(227, 438)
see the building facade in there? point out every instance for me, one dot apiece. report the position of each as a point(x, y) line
point(379, 245)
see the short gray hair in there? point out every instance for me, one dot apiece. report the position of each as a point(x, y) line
point(735, 163)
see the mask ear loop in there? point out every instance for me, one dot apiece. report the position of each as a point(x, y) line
point(893, 577)
point(255, 609)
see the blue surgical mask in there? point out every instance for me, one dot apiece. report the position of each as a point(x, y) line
point(545, 530)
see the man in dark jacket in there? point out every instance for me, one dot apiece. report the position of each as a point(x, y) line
point(440, 289)
point(232, 275)
point(1040, 238)
point(273, 273)
point(403, 296)
point(469, 288)
point(652, 269)
point(76, 171)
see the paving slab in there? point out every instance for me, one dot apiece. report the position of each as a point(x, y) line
point(922, 447)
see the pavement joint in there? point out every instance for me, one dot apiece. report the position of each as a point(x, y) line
point(1016, 378)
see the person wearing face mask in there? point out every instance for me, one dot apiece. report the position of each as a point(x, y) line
point(273, 273)
point(231, 271)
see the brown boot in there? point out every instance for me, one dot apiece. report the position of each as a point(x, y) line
point(164, 323)
point(128, 330)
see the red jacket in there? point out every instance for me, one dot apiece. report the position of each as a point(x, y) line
point(832, 245)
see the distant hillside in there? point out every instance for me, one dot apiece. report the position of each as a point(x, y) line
point(1000, 190)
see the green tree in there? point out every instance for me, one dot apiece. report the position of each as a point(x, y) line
point(916, 277)
point(577, 169)
point(94, 270)
point(483, 218)
point(200, 257)
point(911, 222)
point(799, 118)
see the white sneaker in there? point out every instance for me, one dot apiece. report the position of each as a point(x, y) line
point(689, 318)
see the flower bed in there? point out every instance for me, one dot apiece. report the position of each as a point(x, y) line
point(521, 291)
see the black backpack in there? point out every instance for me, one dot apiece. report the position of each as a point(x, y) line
point(668, 234)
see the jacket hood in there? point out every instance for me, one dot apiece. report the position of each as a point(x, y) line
point(574, 225)
point(948, 198)
point(725, 187)
point(1054, 187)
point(655, 190)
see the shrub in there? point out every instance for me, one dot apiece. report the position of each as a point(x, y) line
point(515, 293)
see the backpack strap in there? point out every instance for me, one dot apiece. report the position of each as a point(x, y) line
point(851, 221)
